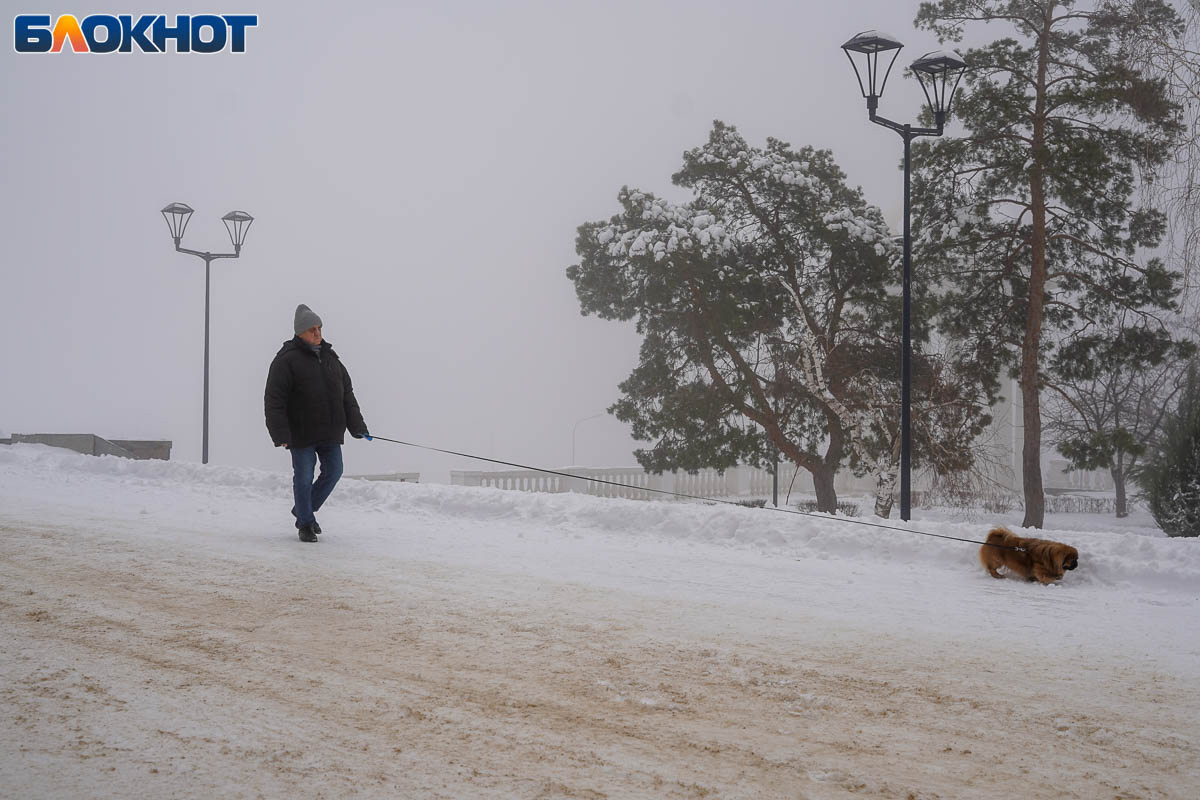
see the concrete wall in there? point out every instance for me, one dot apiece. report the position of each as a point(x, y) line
point(159, 449)
point(92, 445)
point(395, 477)
point(87, 443)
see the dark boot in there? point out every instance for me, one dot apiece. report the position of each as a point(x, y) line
point(307, 534)
point(316, 526)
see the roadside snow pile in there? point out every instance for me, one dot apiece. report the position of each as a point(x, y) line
point(38, 459)
point(1106, 557)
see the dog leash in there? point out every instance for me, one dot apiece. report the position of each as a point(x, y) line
point(846, 520)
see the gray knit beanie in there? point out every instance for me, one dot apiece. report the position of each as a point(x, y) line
point(305, 319)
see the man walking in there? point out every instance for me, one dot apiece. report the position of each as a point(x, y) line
point(309, 405)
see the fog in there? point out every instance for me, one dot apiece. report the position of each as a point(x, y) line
point(416, 172)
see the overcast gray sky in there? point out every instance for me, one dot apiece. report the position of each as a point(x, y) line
point(416, 172)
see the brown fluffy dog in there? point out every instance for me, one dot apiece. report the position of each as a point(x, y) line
point(1037, 560)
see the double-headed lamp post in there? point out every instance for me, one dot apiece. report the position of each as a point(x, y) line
point(237, 223)
point(939, 73)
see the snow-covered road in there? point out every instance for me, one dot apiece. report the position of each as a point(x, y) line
point(166, 635)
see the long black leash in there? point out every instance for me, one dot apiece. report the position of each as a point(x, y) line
point(847, 520)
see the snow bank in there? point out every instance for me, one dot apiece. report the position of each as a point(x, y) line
point(1107, 558)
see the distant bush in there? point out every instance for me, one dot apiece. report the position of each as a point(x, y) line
point(968, 490)
point(751, 503)
point(993, 500)
point(1080, 504)
point(999, 501)
point(845, 509)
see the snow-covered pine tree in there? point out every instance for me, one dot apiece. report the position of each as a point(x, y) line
point(769, 311)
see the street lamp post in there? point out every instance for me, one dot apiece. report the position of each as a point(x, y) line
point(576, 428)
point(236, 223)
point(939, 73)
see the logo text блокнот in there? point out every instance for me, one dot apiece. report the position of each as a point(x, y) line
point(121, 33)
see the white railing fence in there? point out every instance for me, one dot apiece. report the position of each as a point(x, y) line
point(735, 482)
point(741, 481)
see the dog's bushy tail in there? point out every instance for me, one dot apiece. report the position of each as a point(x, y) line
point(1000, 535)
point(991, 557)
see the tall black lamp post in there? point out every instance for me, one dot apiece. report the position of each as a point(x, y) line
point(237, 223)
point(939, 73)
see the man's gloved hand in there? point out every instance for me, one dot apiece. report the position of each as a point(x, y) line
point(363, 435)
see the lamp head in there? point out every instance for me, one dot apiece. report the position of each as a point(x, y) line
point(870, 44)
point(939, 73)
point(177, 216)
point(237, 223)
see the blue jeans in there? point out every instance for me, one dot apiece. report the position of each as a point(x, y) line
point(311, 496)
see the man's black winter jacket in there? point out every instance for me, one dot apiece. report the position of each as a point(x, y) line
point(309, 398)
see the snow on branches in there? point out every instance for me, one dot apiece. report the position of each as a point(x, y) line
point(652, 226)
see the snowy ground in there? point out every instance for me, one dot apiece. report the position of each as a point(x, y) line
point(165, 634)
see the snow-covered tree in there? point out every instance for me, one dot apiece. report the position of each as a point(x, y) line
point(770, 318)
